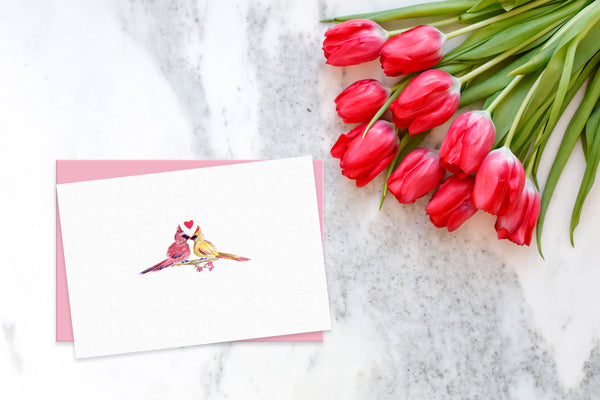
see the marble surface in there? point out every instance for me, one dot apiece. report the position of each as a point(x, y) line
point(418, 313)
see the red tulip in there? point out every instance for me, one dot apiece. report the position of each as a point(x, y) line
point(499, 182)
point(360, 101)
point(353, 42)
point(417, 49)
point(417, 175)
point(517, 226)
point(452, 204)
point(363, 158)
point(429, 100)
point(469, 139)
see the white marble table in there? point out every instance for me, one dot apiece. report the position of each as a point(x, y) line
point(418, 313)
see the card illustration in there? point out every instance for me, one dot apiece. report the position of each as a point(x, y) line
point(179, 251)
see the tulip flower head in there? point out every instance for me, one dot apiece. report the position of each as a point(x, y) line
point(517, 226)
point(452, 204)
point(469, 139)
point(429, 100)
point(499, 182)
point(353, 42)
point(418, 174)
point(417, 49)
point(364, 158)
point(360, 101)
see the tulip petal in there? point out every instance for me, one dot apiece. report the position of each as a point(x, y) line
point(435, 118)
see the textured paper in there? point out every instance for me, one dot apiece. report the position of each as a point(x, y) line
point(114, 228)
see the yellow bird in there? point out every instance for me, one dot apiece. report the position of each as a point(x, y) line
point(205, 249)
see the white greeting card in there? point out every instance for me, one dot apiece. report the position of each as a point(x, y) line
point(193, 257)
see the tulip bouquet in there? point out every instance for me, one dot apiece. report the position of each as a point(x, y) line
point(522, 60)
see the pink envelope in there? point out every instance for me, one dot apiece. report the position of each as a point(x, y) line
point(68, 171)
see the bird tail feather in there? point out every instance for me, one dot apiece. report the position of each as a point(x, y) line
point(232, 257)
point(157, 267)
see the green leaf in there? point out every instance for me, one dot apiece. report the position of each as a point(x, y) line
point(491, 81)
point(564, 92)
point(504, 114)
point(510, 4)
point(407, 144)
point(488, 12)
point(498, 32)
point(574, 87)
point(455, 68)
point(567, 144)
point(415, 11)
point(591, 127)
point(589, 176)
point(483, 4)
point(567, 32)
point(515, 35)
point(529, 130)
point(563, 85)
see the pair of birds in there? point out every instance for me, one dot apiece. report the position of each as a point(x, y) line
point(179, 251)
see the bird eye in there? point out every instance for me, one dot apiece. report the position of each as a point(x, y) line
point(194, 237)
point(186, 237)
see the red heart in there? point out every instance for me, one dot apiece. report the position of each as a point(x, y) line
point(189, 224)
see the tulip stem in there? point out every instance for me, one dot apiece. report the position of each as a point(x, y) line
point(436, 24)
point(445, 22)
point(407, 144)
point(504, 93)
point(501, 57)
point(521, 111)
point(530, 162)
point(396, 90)
point(496, 18)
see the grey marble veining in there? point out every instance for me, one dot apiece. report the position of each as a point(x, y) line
point(166, 30)
point(418, 313)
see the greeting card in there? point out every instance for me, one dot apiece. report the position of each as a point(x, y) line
point(70, 171)
point(193, 256)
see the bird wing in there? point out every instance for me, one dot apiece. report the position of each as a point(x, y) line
point(177, 250)
point(204, 248)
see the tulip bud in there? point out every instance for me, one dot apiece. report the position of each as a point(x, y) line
point(499, 182)
point(364, 158)
point(452, 204)
point(353, 42)
point(360, 101)
point(517, 226)
point(429, 100)
point(469, 139)
point(418, 173)
point(417, 49)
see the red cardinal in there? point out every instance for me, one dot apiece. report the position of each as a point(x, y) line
point(177, 252)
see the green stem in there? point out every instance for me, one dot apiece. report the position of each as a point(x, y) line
point(392, 166)
point(491, 20)
point(437, 24)
point(484, 67)
point(430, 9)
point(581, 14)
point(524, 104)
point(504, 93)
point(407, 144)
point(396, 90)
point(445, 22)
point(530, 162)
